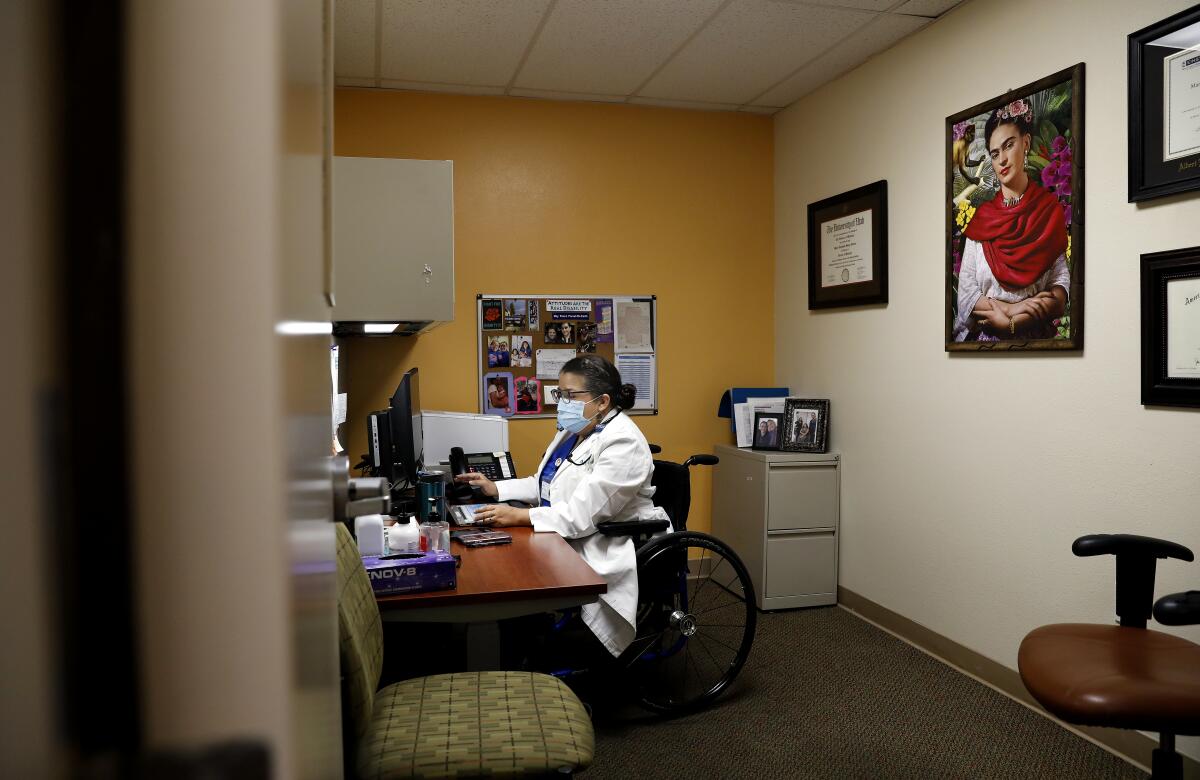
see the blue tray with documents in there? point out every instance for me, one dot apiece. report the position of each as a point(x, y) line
point(410, 572)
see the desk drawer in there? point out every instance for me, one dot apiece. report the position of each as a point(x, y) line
point(802, 496)
point(801, 563)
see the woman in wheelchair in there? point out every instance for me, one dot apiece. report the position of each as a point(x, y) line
point(597, 469)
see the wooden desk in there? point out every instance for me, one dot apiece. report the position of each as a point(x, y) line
point(536, 573)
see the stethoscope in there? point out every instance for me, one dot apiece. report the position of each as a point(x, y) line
point(599, 427)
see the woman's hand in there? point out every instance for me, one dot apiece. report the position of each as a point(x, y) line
point(992, 318)
point(500, 515)
point(477, 480)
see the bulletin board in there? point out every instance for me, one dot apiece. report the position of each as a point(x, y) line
point(524, 340)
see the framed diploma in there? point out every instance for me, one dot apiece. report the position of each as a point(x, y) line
point(847, 248)
point(1171, 328)
point(1164, 107)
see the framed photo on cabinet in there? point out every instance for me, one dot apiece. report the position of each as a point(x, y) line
point(1171, 328)
point(766, 430)
point(1164, 107)
point(847, 248)
point(1014, 219)
point(805, 425)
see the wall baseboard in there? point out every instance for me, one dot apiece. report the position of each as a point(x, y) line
point(1133, 746)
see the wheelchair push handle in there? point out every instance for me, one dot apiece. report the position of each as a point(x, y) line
point(700, 459)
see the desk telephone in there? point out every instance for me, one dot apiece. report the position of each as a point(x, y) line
point(493, 465)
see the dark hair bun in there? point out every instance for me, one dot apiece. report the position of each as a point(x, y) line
point(626, 396)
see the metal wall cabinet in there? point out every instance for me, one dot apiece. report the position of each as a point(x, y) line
point(393, 243)
point(780, 511)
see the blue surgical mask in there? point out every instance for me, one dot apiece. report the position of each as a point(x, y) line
point(570, 415)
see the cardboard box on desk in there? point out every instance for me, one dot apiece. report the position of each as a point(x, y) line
point(425, 571)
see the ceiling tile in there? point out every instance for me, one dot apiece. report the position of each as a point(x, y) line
point(882, 33)
point(609, 47)
point(862, 5)
point(454, 89)
point(354, 39)
point(930, 8)
point(550, 94)
point(457, 41)
point(748, 47)
point(702, 106)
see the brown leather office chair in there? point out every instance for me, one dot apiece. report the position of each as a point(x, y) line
point(1124, 676)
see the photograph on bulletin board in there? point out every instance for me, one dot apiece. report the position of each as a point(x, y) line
point(525, 340)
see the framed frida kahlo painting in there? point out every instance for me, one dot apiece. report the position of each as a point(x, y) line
point(1014, 219)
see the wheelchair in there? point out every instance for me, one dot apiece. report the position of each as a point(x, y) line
point(696, 612)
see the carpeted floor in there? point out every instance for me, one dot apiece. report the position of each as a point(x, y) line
point(827, 695)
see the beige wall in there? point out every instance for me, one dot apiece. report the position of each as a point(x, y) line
point(968, 476)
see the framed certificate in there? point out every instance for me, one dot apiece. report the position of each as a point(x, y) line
point(1164, 107)
point(847, 248)
point(1171, 328)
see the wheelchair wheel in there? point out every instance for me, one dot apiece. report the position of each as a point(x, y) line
point(694, 631)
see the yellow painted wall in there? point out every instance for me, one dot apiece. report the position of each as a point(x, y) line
point(580, 198)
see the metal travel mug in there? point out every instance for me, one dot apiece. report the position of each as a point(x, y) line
point(431, 485)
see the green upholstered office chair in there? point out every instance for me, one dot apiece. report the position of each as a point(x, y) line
point(1124, 676)
point(494, 724)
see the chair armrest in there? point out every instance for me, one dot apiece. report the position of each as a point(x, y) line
point(1118, 544)
point(1136, 556)
point(702, 460)
point(1178, 609)
point(632, 527)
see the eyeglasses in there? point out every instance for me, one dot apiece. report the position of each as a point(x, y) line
point(558, 395)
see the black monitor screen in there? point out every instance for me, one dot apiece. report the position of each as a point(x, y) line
point(405, 419)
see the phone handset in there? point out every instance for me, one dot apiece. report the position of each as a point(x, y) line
point(464, 492)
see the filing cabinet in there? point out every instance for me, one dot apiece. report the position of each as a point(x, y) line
point(780, 512)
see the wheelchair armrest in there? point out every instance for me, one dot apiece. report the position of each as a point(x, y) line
point(1119, 544)
point(1136, 556)
point(632, 527)
point(1178, 609)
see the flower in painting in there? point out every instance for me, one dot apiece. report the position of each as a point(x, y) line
point(1059, 145)
point(964, 214)
point(1050, 175)
point(1016, 110)
point(960, 129)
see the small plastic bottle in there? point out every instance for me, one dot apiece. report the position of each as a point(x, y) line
point(404, 536)
point(368, 530)
point(435, 532)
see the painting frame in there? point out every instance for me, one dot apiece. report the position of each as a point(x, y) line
point(835, 237)
point(1160, 165)
point(1163, 316)
point(760, 441)
point(1043, 319)
point(813, 438)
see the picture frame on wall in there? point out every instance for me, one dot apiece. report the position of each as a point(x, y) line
point(1014, 219)
point(766, 430)
point(1164, 107)
point(805, 425)
point(848, 248)
point(1171, 328)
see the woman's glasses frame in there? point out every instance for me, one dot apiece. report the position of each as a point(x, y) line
point(558, 395)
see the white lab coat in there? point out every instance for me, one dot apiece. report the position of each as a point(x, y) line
point(612, 482)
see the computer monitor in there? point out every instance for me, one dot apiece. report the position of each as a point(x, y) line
point(404, 421)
